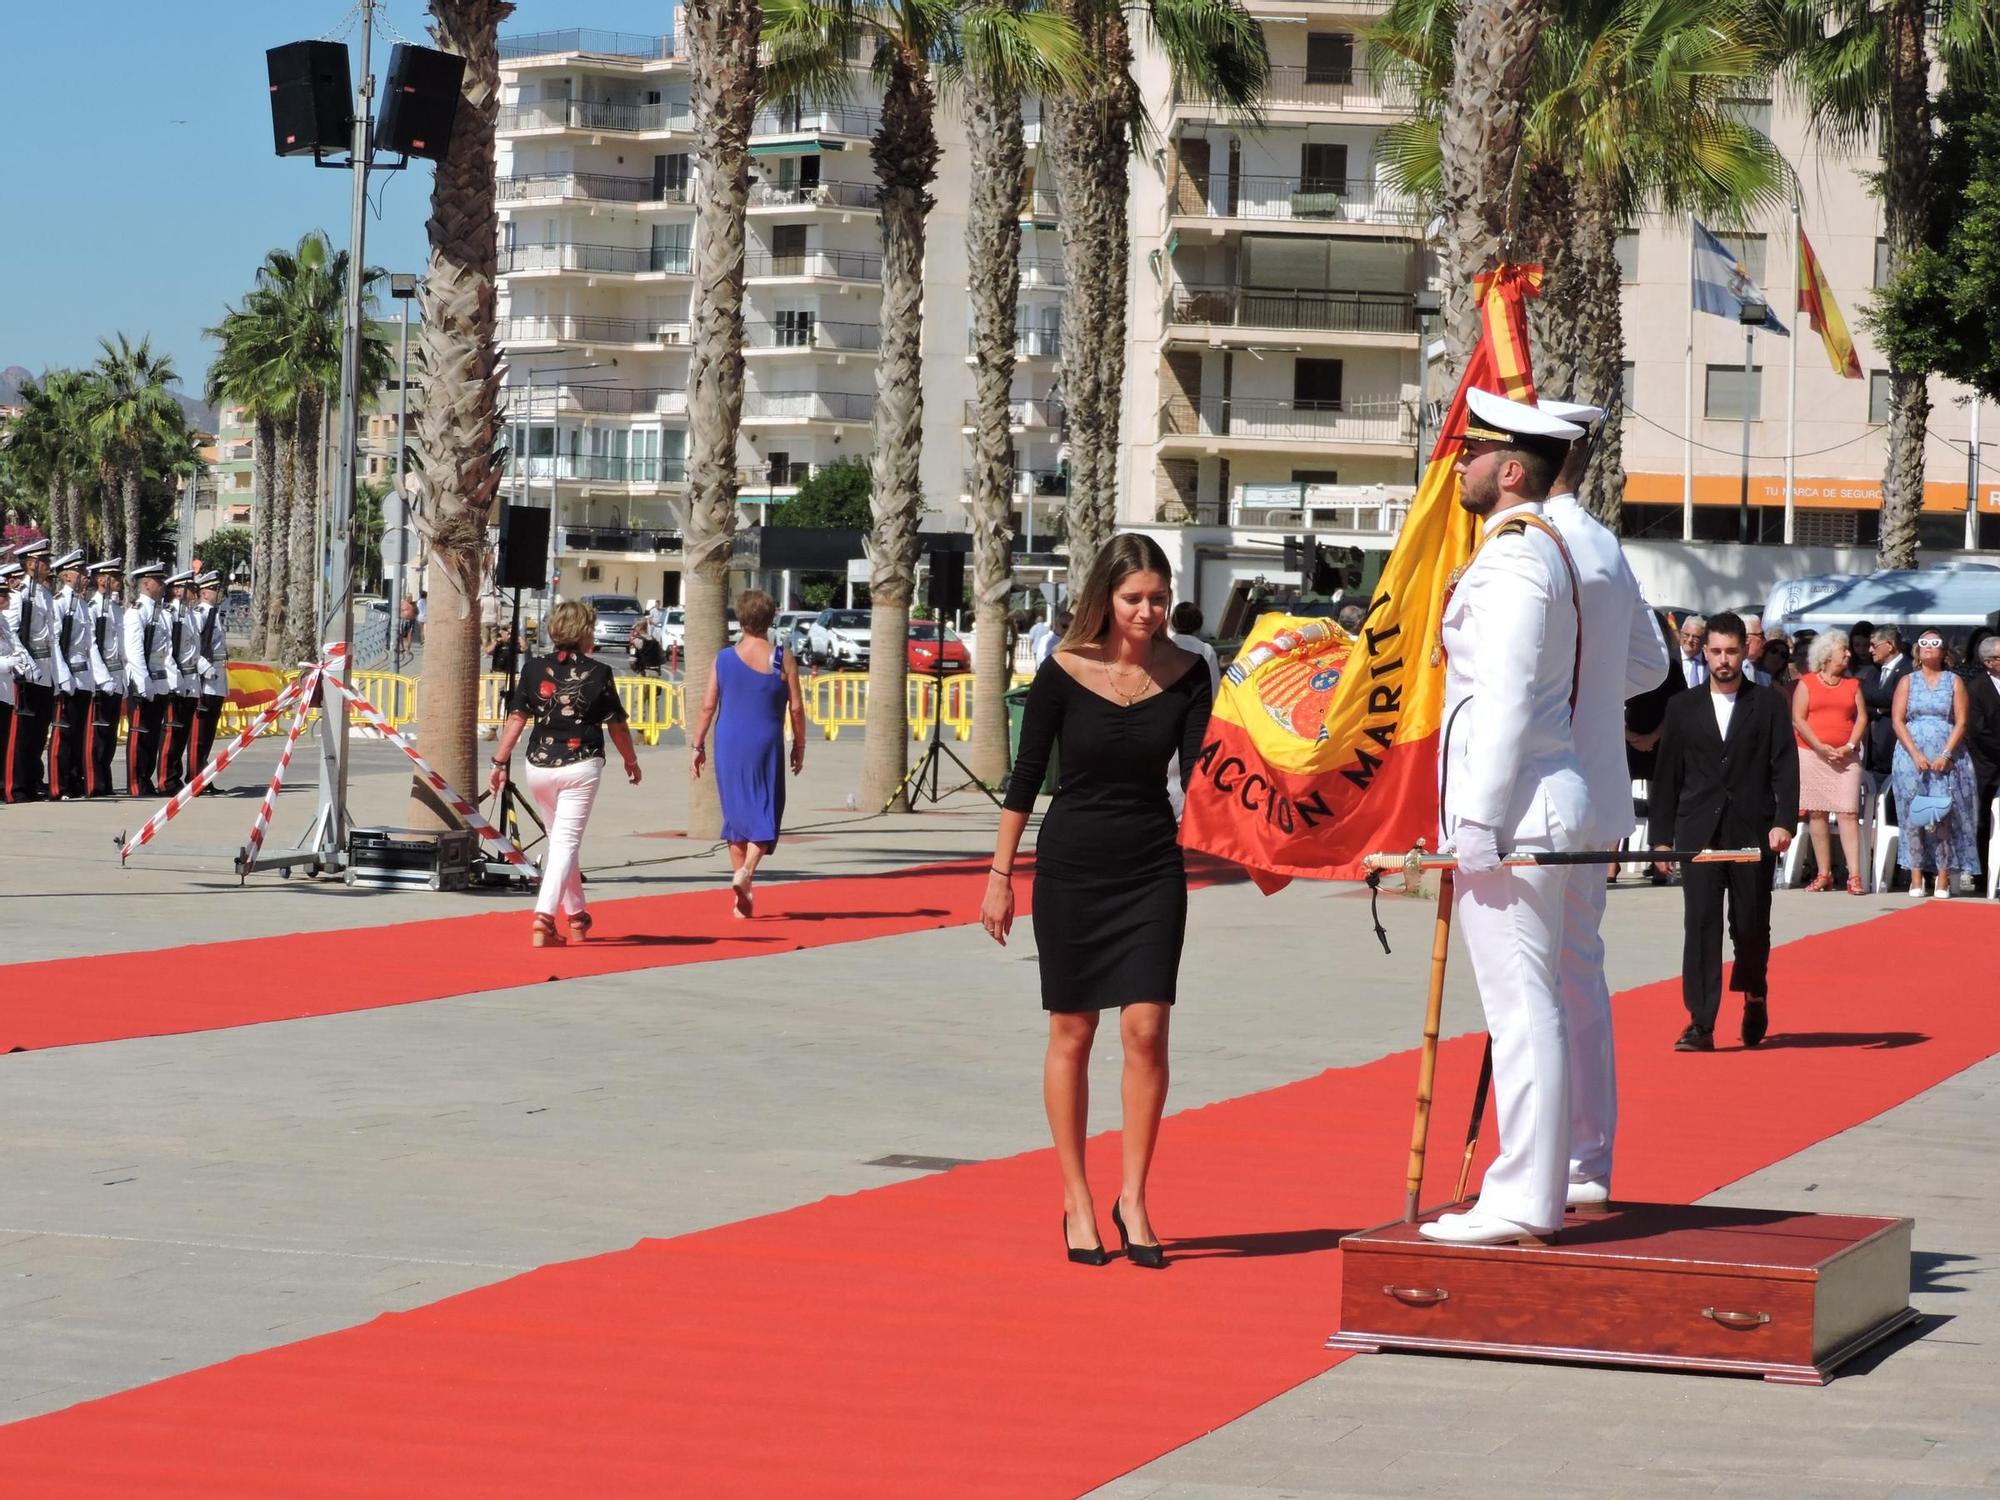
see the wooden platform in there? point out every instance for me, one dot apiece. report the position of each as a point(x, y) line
point(1675, 1286)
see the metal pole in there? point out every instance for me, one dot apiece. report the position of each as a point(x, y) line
point(1687, 414)
point(1792, 380)
point(395, 567)
point(1972, 481)
point(1743, 497)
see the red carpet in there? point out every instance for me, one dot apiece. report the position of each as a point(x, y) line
point(926, 1340)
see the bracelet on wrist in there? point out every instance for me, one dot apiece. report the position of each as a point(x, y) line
point(1007, 874)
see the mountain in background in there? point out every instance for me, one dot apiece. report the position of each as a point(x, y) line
point(200, 415)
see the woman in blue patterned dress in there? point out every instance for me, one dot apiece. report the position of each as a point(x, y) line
point(1929, 714)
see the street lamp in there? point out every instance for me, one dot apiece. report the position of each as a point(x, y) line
point(403, 287)
point(1752, 315)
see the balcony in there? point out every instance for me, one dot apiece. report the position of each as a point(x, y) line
point(1372, 510)
point(595, 187)
point(560, 256)
point(1040, 206)
point(611, 400)
point(627, 540)
point(1361, 313)
point(585, 115)
point(813, 337)
point(1042, 274)
point(639, 46)
point(815, 265)
point(865, 196)
point(819, 119)
point(1214, 422)
point(568, 328)
point(807, 406)
point(1307, 200)
point(600, 468)
point(1042, 413)
point(1047, 484)
point(1335, 90)
point(1029, 343)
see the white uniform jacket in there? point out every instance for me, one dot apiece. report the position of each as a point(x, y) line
point(1510, 639)
point(1613, 611)
point(146, 656)
point(184, 653)
point(32, 613)
point(14, 661)
point(72, 617)
point(211, 639)
point(107, 644)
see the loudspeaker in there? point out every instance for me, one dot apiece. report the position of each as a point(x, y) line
point(312, 97)
point(419, 101)
point(524, 548)
point(947, 594)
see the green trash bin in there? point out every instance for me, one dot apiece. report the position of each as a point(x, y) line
point(1017, 710)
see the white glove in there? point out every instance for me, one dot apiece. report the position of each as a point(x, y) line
point(207, 668)
point(1477, 848)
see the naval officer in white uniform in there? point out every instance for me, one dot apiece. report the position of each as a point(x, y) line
point(1512, 783)
point(1613, 610)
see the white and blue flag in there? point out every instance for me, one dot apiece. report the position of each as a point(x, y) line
point(1722, 284)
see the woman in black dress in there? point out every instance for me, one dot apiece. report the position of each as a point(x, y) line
point(1110, 890)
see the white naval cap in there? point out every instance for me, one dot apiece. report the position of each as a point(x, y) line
point(208, 580)
point(39, 547)
point(148, 570)
point(9, 571)
point(1497, 419)
point(180, 578)
point(1572, 411)
point(108, 565)
point(71, 559)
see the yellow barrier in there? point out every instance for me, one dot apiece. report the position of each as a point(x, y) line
point(957, 715)
point(652, 706)
point(837, 701)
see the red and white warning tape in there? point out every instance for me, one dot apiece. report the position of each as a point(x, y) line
point(265, 807)
point(216, 766)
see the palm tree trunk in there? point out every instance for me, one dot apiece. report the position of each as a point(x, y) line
point(1493, 57)
point(299, 642)
point(1600, 348)
point(79, 520)
point(263, 500)
point(906, 156)
point(59, 527)
point(286, 488)
point(458, 421)
point(993, 248)
point(1905, 183)
point(1548, 235)
point(723, 54)
point(130, 478)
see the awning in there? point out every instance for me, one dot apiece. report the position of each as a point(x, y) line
point(798, 147)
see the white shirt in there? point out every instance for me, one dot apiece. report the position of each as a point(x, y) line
point(1724, 705)
point(1042, 649)
point(1206, 652)
point(14, 661)
point(1694, 669)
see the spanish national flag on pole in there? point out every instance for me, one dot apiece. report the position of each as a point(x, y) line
point(1816, 302)
point(1323, 748)
point(252, 684)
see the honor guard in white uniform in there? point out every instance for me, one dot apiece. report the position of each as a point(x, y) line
point(73, 680)
point(211, 632)
point(1512, 784)
point(147, 664)
point(14, 663)
point(183, 681)
point(107, 672)
point(32, 614)
point(1613, 610)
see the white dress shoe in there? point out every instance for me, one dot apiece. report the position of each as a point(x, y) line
point(1590, 1196)
point(1476, 1228)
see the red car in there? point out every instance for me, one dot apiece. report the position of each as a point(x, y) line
point(924, 649)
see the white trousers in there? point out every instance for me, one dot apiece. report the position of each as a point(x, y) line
point(1586, 1015)
point(1512, 923)
point(563, 795)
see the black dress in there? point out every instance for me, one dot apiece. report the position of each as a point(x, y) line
point(1110, 889)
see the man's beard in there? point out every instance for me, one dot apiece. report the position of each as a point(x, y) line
point(1725, 672)
point(1478, 500)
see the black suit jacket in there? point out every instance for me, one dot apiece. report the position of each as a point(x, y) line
point(1878, 693)
point(1726, 794)
point(1648, 711)
point(1982, 729)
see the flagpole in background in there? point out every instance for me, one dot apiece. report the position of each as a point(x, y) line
point(1687, 416)
point(1792, 379)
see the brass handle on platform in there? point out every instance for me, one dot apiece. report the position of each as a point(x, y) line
point(1737, 1319)
point(1417, 1296)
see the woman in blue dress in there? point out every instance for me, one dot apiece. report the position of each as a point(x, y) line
point(1929, 715)
point(749, 692)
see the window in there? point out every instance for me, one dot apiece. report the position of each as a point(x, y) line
point(1750, 250)
point(1315, 476)
point(1324, 169)
point(672, 248)
point(1628, 255)
point(1725, 393)
point(1316, 384)
point(1627, 383)
point(788, 249)
point(795, 330)
point(670, 176)
point(1751, 111)
point(1329, 57)
point(1881, 262)
point(1878, 396)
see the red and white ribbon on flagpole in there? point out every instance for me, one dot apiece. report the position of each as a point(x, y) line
point(216, 766)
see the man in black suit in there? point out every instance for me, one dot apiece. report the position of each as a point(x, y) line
point(1982, 738)
point(1727, 777)
point(1643, 717)
point(1889, 666)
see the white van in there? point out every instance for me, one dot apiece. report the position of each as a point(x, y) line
point(1956, 600)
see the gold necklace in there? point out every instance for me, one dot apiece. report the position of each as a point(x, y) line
point(1129, 698)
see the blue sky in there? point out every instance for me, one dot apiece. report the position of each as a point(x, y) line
point(141, 184)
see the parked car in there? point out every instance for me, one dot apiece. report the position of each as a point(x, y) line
point(928, 655)
point(790, 630)
point(616, 615)
point(838, 638)
point(670, 626)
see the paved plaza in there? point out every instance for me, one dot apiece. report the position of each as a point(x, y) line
point(171, 1202)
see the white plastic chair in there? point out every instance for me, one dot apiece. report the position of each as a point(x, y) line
point(1887, 841)
point(1796, 854)
point(1993, 853)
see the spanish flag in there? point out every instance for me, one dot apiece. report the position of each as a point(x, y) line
point(1323, 748)
point(1816, 302)
point(252, 684)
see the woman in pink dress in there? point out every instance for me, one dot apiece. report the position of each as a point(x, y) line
point(1828, 719)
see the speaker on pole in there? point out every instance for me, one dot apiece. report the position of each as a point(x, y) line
point(419, 101)
point(524, 548)
point(947, 595)
point(312, 97)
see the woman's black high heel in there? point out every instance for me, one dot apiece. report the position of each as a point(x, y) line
point(1153, 1257)
point(1095, 1256)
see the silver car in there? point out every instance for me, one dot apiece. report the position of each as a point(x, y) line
point(616, 615)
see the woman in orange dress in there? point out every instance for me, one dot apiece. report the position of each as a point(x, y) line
point(1827, 718)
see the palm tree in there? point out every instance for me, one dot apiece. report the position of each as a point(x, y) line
point(243, 374)
point(49, 447)
point(919, 47)
point(1213, 47)
point(131, 409)
point(723, 39)
point(994, 82)
point(458, 421)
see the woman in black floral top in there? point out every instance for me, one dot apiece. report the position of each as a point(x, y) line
point(572, 702)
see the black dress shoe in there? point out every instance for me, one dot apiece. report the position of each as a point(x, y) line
point(1756, 1022)
point(1696, 1039)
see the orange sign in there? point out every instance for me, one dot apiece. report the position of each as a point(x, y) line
point(1808, 493)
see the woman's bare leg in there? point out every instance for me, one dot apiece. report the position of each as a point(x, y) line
point(1144, 1030)
point(1066, 1096)
point(1850, 842)
point(1822, 845)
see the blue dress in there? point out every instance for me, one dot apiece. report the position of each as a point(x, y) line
point(1951, 843)
point(750, 747)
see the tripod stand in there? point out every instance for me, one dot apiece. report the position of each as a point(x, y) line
point(511, 805)
point(937, 750)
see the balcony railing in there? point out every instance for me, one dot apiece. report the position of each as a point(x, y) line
point(1367, 420)
point(584, 114)
point(612, 260)
point(831, 265)
point(569, 328)
point(1293, 86)
point(621, 539)
point(832, 338)
point(807, 406)
point(1323, 505)
point(1307, 199)
point(639, 44)
point(616, 400)
point(1044, 272)
point(1040, 203)
point(1306, 311)
point(817, 119)
point(1039, 412)
point(866, 195)
point(601, 468)
point(1048, 484)
point(1029, 343)
point(600, 187)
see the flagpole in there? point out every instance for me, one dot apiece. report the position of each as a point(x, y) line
point(1687, 416)
point(1792, 380)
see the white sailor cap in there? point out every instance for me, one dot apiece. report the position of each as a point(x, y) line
point(210, 579)
point(39, 547)
point(109, 565)
point(71, 559)
point(1496, 419)
point(148, 570)
point(1572, 411)
point(9, 571)
point(186, 576)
